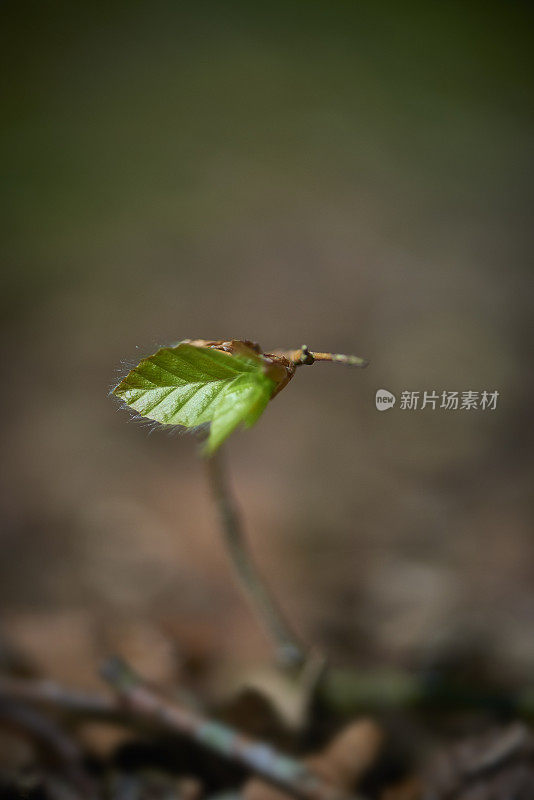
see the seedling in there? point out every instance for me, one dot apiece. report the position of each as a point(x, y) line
point(214, 387)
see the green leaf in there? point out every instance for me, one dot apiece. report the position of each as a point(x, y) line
point(190, 386)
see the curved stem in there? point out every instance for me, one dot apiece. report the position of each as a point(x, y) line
point(289, 648)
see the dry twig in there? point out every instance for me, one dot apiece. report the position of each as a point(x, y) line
point(259, 758)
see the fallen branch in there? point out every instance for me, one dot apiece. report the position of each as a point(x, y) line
point(52, 695)
point(259, 758)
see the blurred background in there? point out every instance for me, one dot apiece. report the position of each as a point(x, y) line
point(355, 176)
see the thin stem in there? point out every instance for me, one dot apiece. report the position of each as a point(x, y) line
point(289, 648)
